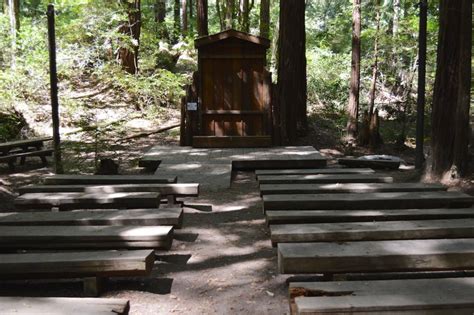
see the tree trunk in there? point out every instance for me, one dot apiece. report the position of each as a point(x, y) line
point(265, 18)
point(202, 23)
point(244, 14)
point(129, 57)
point(184, 17)
point(353, 108)
point(160, 11)
point(229, 14)
point(373, 85)
point(14, 14)
point(220, 15)
point(176, 19)
point(292, 68)
point(191, 15)
point(450, 116)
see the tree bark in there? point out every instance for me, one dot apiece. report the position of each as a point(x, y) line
point(127, 56)
point(245, 8)
point(353, 107)
point(176, 19)
point(265, 18)
point(160, 11)
point(292, 69)
point(220, 15)
point(229, 14)
point(202, 22)
point(184, 17)
point(14, 14)
point(373, 85)
point(450, 115)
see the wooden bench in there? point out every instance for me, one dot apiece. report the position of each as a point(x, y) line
point(376, 256)
point(60, 306)
point(65, 201)
point(92, 266)
point(393, 200)
point(328, 216)
point(278, 189)
point(324, 179)
point(313, 171)
point(450, 296)
point(169, 191)
point(135, 217)
point(375, 164)
point(85, 237)
point(11, 158)
point(372, 231)
point(106, 179)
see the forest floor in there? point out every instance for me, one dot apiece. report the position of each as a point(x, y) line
point(221, 262)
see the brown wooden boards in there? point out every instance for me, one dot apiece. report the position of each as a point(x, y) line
point(313, 171)
point(60, 306)
point(323, 178)
point(77, 264)
point(85, 237)
point(278, 189)
point(141, 217)
point(450, 296)
point(191, 190)
point(391, 200)
point(73, 200)
point(106, 179)
point(314, 161)
point(231, 141)
point(375, 164)
point(327, 216)
point(372, 231)
point(376, 256)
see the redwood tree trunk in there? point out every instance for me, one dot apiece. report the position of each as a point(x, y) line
point(229, 14)
point(160, 11)
point(265, 18)
point(176, 19)
point(292, 69)
point(450, 116)
point(202, 23)
point(184, 17)
point(129, 57)
point(353, 107)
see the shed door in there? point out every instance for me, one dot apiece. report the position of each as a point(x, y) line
point(234, 93)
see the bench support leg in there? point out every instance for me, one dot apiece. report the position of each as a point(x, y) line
point(92, 286)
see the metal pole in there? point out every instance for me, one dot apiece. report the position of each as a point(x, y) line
point(420, 104)
point(53, 75)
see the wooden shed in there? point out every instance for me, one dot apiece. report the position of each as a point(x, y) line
point(229, 102)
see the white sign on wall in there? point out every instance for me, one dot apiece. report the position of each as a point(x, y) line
point(192, 106)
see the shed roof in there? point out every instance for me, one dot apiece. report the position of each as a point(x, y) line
point(231, 33)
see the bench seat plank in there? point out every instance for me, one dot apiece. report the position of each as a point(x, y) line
point(327, 216)
point(278, 189)
point(324, 179)
point(313, 171)
point(62, 179)
point(40, 153)
point(376, 256)
point(375, 164)
point(25, 142)
point(141, 217)
point(90, 237)
point(422, 296)
point(61, 306)
point(77, 264)
point(73, 200)
point(392, 200)
point(372, 231)
point(188, 190)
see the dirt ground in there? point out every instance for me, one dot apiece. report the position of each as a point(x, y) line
point(221, 261)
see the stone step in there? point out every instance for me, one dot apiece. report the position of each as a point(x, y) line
point(376, 256)
point(135, 217)
point(328, 216)
point(450, 296)
point(371, 231)
point(85, 237)
point(393, 200)
point(59, 306)
point(278, 189)
point(313, 171)
point(324, 179)
point(76, 200)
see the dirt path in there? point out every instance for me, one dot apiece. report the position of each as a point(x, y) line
point(221, 263)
